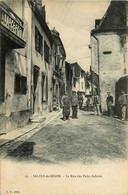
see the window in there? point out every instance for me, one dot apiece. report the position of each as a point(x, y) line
point(58, 60)
point(107, 52)
point(74, 82)
point(20, 84)
point(46, 52)
point(82, 85)
point(2, 77)
point(38, 41)
point(82, 74)
point(44, 88)
point(77, 72)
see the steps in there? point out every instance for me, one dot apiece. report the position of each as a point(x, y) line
point(37, 118)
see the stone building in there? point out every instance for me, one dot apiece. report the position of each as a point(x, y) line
point(15, 64)
point(78, 78)
point(58, 78)
point(109, 51)
point(26, 63)
point(41, 60)
point(88, 86)
point(68, 74)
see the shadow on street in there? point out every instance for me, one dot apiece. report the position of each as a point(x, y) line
point(87, 140)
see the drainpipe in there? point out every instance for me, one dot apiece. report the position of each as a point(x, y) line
point(31, 71)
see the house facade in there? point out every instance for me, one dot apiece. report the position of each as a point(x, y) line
point(31, 60)
point(109, 53)
point(88, 86)
point(41, 61)
point(15, 64)
point(69, 74)
point(78, 78)
point(58, 78)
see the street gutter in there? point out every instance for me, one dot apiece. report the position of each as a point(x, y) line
point(31, 132)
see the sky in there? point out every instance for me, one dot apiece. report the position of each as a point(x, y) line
point(74, 19)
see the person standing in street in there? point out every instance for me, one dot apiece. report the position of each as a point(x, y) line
point(74, 104)
point(109, 101)
point(80, 101)
point(96, 103)
point(88, 103)
point(66, 106)
point(123, 105)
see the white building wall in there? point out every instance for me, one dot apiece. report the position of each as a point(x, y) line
point(94, 55)
point(38, 60)
point(126, 45)
point(78, 86)
point(111, 65)
point(82, 89)
point(18, 61)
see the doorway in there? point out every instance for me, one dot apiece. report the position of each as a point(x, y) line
point(2, 75)
point(35, 90)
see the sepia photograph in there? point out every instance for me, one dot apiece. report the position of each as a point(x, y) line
point(64, 97)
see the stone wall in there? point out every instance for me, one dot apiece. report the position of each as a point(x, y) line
point(17, 61)
point(44, 67)
point(111, 63)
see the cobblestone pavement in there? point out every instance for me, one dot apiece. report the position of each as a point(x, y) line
point(87, 140)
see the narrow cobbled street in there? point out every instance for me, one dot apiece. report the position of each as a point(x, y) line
point(86, 140)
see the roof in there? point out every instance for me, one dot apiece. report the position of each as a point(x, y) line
point(124, 78)
point(114, 19)
point(76, 64)
point(40, 17)
point(58, 42)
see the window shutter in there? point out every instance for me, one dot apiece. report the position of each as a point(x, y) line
point(24, 85)
point(77, 72)
point(20, 84)
point(46, 88)
point(43, 86)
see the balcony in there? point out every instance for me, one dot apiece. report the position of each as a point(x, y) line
point(11, 26)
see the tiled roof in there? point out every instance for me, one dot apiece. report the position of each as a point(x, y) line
point(58, 41)
point(114, 19)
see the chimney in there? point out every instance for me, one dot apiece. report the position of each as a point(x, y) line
point(43, 12)
point(39, 2)
point(97, 22)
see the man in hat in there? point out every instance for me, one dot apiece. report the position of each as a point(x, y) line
point(74, 105)
point(109, 101)
point(96, 103)
point(80, 99)
point(123, 103)
point(66, 106)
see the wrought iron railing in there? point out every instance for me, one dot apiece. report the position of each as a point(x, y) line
point(12, 23)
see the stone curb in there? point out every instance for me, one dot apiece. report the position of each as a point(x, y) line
point(36, 128)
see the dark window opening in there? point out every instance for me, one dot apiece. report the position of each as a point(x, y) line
point(46, 88)
point(82, 74)
point(58, 60)
point(46, 52)
point(82, 85)
point(20, 84)
point(74, 82)
point(2, 76)
point(77, 72)
point(107, 52)
point(38, 41)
